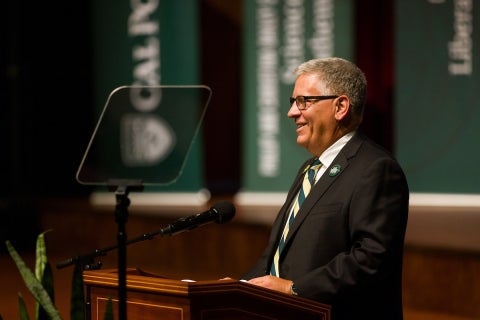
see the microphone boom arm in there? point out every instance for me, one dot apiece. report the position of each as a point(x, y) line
point(220, 213)
point(87, 260)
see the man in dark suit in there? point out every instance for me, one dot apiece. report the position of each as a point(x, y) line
point(345, 244)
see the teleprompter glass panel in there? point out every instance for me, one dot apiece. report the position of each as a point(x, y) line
point(144, 134)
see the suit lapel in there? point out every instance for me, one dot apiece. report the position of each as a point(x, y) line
point(333, 172)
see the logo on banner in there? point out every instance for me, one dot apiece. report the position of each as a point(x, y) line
point(145, 139)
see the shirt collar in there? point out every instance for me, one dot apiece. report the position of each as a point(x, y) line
point(329, 155)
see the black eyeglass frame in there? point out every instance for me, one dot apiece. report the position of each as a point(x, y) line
point(303, 105)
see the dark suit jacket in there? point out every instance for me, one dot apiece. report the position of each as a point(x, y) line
point(345, 247)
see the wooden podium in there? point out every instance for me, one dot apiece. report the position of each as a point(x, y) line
point(152, 297)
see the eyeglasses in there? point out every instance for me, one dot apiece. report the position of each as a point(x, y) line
point(301, 101)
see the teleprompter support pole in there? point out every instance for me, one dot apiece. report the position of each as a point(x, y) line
point(122, 189)
point(121, 218)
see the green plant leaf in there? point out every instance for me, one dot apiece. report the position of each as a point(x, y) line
point(77, 303)
point(41, 265)
point(33, 284)
point(47, 283)
point(108, 315)
point(22, 308)
point(40, 255)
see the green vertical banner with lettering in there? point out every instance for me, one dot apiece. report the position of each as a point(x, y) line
point(278, 36)
point(149, 42)
point(436, 96)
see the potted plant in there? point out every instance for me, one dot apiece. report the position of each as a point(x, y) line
point(41, 285)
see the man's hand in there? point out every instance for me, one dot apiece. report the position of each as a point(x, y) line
point(274, 283)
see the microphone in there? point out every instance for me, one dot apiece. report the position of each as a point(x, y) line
point(221, 212)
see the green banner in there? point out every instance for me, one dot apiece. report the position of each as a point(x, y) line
point(279, 35)
point(144, 43)
point(437, 79)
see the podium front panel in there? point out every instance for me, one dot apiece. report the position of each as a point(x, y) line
point(150, 297)
point(139, 305)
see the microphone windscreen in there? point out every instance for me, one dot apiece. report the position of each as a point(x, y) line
point(226, 211)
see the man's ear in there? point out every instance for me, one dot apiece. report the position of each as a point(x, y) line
point(342, 107)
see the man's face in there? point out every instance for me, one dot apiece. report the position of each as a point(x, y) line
point(316, 125)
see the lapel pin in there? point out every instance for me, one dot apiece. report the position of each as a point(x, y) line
point(335, 170)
